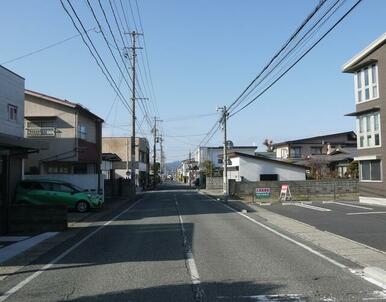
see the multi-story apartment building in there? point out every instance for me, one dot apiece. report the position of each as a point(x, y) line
point(369, 70)
point(73, 132)
point(121, 146)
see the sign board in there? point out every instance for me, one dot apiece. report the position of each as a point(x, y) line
point(263, 192)
point(285, 193)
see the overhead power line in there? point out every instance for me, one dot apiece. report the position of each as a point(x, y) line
point(45, 47)
point(299, 59)
point(94, 52)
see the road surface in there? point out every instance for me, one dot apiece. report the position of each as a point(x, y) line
point(175, 244)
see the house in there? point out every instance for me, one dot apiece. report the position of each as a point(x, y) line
point(14, 148)
point(121, 146)
point(261, 168)
point(110, 162)
point(302, 148)
point(187, 171)
point(73, 132)
point(369, 70)
point(203, 154)
point(334, 164)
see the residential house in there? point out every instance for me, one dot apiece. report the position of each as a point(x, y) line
point(203, 154)
point(302, 148)
point(121, 146)
point(14, 148)
point(187, 171)
point(261, 168)
point(73, 132)
point(369, 70)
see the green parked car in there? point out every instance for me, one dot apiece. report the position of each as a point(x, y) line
point(39, 192)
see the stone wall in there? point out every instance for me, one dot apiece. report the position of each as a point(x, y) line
point(339, 189)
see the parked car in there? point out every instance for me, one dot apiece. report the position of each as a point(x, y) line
point(57, 192)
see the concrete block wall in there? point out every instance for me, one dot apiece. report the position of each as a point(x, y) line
point(214, 183)
point(302, 190)
point(31, 219)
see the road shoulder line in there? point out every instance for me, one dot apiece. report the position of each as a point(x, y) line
point(348, 249)
point(27, 280)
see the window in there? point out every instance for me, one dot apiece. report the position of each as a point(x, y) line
point(366, 84)
point(12, 113)
point(82, 131)
point(80, 169)
point(370, 170)
point(368, 127)
point(58, 169)
point(316, 150)
point(296, 152)
point(219, 161)
point(62, 188)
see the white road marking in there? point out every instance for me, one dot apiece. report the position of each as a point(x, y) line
point(191, 264)
point(27, 280)
point(311, 250)
point(19, 247)
point(278, 298)
point(307, 206)
point(366, 213)
point(347, 205)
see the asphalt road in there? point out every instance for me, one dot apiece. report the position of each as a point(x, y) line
point(359, 222)
point(178, 245)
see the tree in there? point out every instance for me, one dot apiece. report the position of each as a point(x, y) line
point(269, 144)
point(353, 170)
point(208, 168)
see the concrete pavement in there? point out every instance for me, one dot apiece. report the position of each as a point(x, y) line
point(178, 245)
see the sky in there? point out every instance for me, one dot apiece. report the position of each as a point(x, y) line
point(202, 54)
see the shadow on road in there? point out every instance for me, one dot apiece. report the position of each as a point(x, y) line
point(213, 291)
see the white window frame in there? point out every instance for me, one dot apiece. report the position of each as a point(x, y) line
point(360, 172)
point(361, 73)
point(14, 109)
point(366, 132)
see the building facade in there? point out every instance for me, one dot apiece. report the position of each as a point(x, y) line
point(317, 145)
point(121, 146)
point(14, 148)
point(369, 70)
point(213, 154)
point(74, 135)
point(244, 167)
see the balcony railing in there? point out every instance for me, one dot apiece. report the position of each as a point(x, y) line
point(41, 132)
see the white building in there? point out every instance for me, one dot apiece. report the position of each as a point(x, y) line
point(213, 154)
point(260, 168)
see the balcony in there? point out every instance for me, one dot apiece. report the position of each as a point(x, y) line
point(41, 132)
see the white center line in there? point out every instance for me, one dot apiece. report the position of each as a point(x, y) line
point(307, 206)
point(347, 205)
point(191, 264)
point(366, 213)
point(27, 280)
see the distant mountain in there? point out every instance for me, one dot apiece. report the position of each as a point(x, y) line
point(172, 166)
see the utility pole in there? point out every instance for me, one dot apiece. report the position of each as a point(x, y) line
point(190, 169)
point(133, 99)
point(225, 151)
point(161, 157)
point(155, 150)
